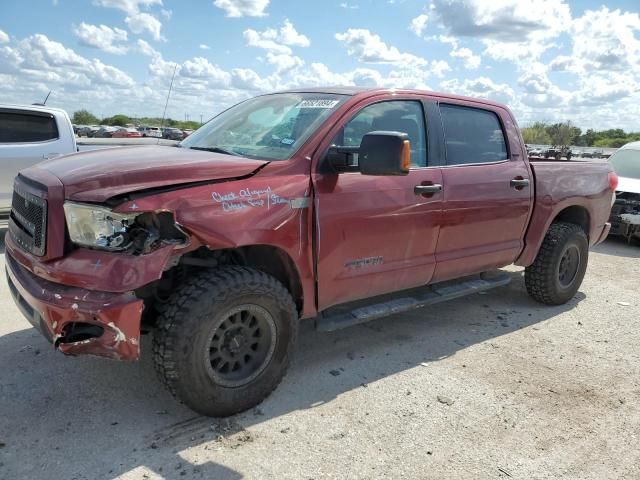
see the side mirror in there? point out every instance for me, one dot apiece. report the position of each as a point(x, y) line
point(384, 153)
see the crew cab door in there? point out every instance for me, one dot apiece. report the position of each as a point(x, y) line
point(488, 191)
point(377, 234)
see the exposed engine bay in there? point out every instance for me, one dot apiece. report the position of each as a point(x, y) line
point(625, 216)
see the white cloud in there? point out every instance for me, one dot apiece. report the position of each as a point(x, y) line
point(243, 8)
point(604, 58)
point(284, 63)
point(101, 37)
point(318, 74)
point(482, 87)
point(511, 30)
point(439, 67)
point(146, 49)
point(4, 38)
point(470, 60)
point(290, 36)
point(39, 60)
point(144, 22)
point(503, 20)
point(200, 67)
point(276, 41)
point(349, 6)
point(369, 48)
point(606, 40)
point(129, 6)
point(204, 47)
point(247, 79)
point(256, 39)
point(419, 24)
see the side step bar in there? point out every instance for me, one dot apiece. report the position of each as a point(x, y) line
point(418, 298)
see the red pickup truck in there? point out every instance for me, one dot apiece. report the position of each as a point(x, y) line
point(339, 204)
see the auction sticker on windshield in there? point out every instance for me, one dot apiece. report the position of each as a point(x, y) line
point(318, 103)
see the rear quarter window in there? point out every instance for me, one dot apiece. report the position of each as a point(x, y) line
point(19, 127)
point(472, 135)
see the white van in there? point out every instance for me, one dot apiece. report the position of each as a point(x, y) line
point(29, 134)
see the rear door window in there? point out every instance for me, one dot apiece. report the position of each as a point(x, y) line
point(19, 127)
point(472, 135)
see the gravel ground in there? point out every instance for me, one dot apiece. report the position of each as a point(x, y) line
point(493, 386)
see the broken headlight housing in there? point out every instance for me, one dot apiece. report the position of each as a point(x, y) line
point(94, 226)
point(98, 227)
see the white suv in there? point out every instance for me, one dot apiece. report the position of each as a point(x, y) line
point(29, 134)
point(151, 132)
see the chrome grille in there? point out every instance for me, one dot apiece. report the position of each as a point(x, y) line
point(28, 220)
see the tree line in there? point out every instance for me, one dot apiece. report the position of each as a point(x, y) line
point(565, 133)
point(84, 117)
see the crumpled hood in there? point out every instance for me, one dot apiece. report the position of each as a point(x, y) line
point(96, 175)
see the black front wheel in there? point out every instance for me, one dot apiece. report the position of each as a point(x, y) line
point(558, 270)
point(224, 341)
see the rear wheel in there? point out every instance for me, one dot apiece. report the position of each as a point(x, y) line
point(225, 339)
point(559, 268)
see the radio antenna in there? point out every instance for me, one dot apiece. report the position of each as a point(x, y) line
point(164, 113)
point(46, 98)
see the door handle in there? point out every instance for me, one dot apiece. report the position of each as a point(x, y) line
point(427, 189)
point(49, 156)
point(519, 183)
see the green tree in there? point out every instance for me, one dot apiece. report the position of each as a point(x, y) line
point(564, 133)
point(118, 120)
point(536, 134)
point(84, 117)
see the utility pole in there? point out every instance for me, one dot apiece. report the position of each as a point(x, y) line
point(200, 119)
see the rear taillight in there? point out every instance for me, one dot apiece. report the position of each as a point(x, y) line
point(613, 181)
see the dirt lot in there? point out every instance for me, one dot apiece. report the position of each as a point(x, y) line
point(493, 386)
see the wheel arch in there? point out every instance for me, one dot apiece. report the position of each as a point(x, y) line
point(269, 259)
point(574, 213)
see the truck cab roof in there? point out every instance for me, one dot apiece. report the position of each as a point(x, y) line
point(371, 91)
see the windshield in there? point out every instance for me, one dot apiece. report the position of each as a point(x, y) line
point(270, 126)
point(626, 163)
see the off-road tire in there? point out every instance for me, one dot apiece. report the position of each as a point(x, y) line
point(181, 340)
point(542, 278)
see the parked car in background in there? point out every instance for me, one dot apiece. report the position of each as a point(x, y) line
point(625, 213)
point(558, 151)
point(151, 132)
point(126, 133)
point(88, 131)
point(105, 132)
point(172, 134)
point(29, 134)
point(186, 132)
point(536, 152)
point(345, 206)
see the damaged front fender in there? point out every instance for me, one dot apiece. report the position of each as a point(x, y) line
point(625, 216)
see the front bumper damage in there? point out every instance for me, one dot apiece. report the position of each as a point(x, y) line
point(625, 216)
point(78, 321)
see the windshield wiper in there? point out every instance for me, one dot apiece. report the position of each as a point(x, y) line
point(216, 150)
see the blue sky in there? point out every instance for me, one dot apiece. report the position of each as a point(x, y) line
point(548, 59)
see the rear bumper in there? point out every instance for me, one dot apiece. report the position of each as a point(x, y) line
point(112, 319)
